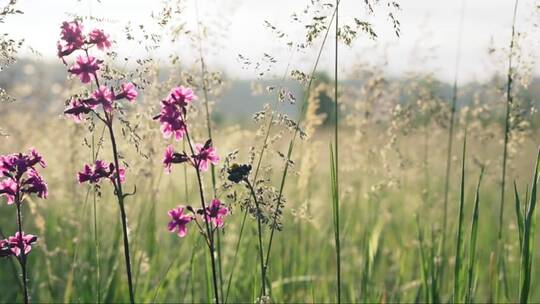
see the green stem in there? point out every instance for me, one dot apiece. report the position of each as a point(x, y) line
point(336, 161)
point(120, 196)
point(259, 231)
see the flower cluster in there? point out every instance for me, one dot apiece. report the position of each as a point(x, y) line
point(94, 173)
point(20, 176)
point(173, 112)
point(172, 118)
point(86, 68)
point(202, 158)
point(14, 244)
point(182, 216)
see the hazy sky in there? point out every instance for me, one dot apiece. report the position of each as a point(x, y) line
point(428, 34)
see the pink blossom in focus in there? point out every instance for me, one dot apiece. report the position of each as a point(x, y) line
point(179, 221)
point(93, 174)
point(172, 123)
point(8, 188)
point(35, 184)
point(215, 213)
point(85, 67)
point(205, 154)
point(128, 92)
point(104, 96)
point(181, 96)
point(19, 241)
point(21, 176)
point(71, 34)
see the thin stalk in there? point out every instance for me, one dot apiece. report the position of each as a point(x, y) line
point(120, 196)
point(527, 252)
point(424, 264)
point(209, 232)
point(209, 130)
point(509, 100)
point(451, 141)
point(108, 121)
point(459, 239)
point(259, 232)
point(472, 242)
point(291, 147)
point(335, 165)
point(235, 256)
point(22, 258)
point(96, 232)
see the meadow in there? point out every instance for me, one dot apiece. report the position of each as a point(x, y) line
point(351, 187)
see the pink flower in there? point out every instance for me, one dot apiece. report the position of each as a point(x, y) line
point(93, 174)
point(4, 249)
point(21, 176)
point(215, 213)
point(104, 96)
point(172, 123)
point(18, 242)
point(35, 184)
point(8, 188)
point(85, 67)
point(179, 221)
point(122, 172)
point(128, 92)
point(170, 157)
point(76, 109)
point(100, 39)
point(71, 34)
point(206, 154)
point(36, 158)
point(181, 96)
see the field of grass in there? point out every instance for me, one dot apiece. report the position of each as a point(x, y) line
point(391, 194)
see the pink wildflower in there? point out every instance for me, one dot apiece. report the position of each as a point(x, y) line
point(180, 96)
point(72, 36)
point(8, 188)
point(128, 92)
point(104, 96)
point(19, 241)
point(172, 123)
point(76, 109)
point(100, 39)
point(85, 67)
point(170, 157)
point(205, 154)
point(179, 221)
point(215, 213)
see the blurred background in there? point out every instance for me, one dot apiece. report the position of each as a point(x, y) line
point(402, 65)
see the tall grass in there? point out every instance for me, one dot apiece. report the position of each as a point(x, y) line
point(526, 228)
point(458, 280)
point(507, 122)
point(334, 159)
point(471, 273)
point(293, 141)
point(208, 121)
point(449, 147)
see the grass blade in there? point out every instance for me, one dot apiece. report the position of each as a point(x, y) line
point(472, 240)
point(459, 240)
